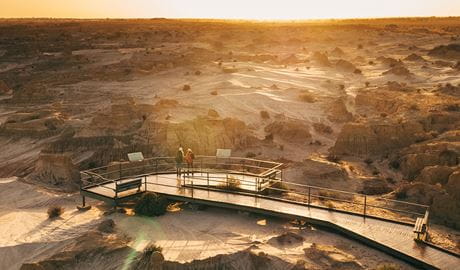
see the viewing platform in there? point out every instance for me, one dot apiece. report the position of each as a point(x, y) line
point(257, 186)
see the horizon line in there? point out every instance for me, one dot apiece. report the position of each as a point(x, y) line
point(229, 19)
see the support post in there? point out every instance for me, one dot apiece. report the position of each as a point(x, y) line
point(83, 201)
point(145, 183)
point(309, 196)
point(192, 188)
point(365, 205)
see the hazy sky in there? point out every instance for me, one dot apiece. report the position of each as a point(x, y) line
point(246, 9)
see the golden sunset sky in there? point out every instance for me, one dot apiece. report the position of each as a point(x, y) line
point(228, 9)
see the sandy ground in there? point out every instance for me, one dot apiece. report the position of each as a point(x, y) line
point(137, 65)
point(184, 233)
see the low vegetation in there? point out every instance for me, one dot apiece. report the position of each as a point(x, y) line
point(151, 204)
point(151, 248)
point(55, 211)
point(231, 183)
point(307, 97)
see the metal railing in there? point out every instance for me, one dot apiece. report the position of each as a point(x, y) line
point(227, 175)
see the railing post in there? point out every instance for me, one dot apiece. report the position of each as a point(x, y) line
point(119, 166)
point(192, 188)
point(156, 165)
point(208, 178)
point(309, 196)
point(226, 176)
point(145, 183)
point(365, 204)
point(257, 185)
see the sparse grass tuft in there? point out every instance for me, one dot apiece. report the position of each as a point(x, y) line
point(388, 267)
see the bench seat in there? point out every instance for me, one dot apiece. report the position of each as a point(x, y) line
point(124, 185)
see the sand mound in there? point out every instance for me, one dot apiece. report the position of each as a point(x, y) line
point(293, 131)
point(315, 170)
point(241, 260)
point(446, 51)
point(337, 52)
point(286, 239)
point(93, 250)
point(290, 60)
point(398, 71)
point(329, 257)
point(321, 59)
point(414, 58)
point(37, 124)
point(389, 62)
point(375, 186)
point(435, 174)
point(345, 66)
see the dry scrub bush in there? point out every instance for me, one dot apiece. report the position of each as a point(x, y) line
point(151, 204)
point(151, 248)
point(264, 115)
point(307, 97)
point(55, 211)
point(231, 183)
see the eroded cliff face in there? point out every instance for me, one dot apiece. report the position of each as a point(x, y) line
point(56, 170)
point(205, 134)
point(377, 138)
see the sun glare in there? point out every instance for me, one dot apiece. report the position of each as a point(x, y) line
point(235, 9)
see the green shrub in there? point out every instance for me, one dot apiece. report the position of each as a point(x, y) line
point(151, 204)
point(55, 211)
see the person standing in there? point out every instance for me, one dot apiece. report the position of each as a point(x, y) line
point(179, 161)
point(189, 157)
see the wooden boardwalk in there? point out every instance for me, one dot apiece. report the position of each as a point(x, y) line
point(391, 237)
